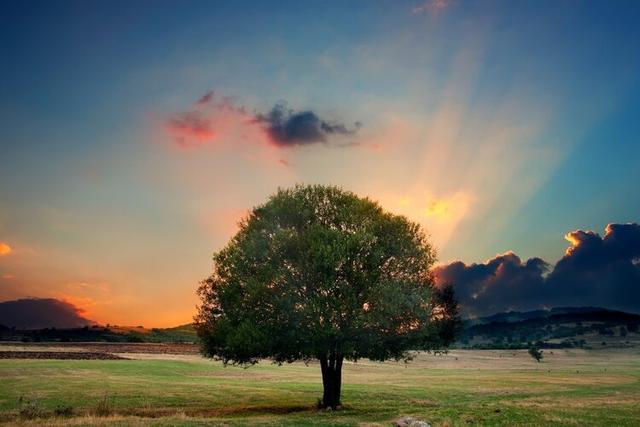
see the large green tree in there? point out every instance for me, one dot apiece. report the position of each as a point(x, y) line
point(320, 273)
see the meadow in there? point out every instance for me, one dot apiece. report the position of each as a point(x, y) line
point(464, 387)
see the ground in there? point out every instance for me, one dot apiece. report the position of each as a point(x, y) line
point(156, 387)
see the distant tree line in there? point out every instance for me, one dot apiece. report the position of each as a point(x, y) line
point(98, 334)
point(556, 331)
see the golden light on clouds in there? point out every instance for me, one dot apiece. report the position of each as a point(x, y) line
point(572, 239)
point(5, 249)
point(440, 216)
point(448, 209)
point(576, 238)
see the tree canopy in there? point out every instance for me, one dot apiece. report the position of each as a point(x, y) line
point(320, 273)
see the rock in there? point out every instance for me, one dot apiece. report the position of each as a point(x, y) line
point(411, 422)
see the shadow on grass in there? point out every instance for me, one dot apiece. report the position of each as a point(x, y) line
point(253, 410)
point(218, 412)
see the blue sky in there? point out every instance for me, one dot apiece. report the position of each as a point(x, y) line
point(497, 125)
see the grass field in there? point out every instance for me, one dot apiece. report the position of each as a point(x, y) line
point(571, 387)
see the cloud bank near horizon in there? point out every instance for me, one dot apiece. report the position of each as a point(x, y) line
point(602, 271)
point(37, 313)
point(594, 271)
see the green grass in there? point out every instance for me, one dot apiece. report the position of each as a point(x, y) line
point(466, 387)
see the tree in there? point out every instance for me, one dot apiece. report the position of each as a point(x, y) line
point(319, 273)
point(536, 353)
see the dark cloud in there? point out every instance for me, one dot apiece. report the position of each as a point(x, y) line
point(206, 98)
point(502, 283)
point(207, 119)
point(595, 271)
point(601, 270)
point(286, 127)
point(37, 313)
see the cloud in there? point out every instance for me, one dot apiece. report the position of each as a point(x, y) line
point(431, 6)
point(191, 128)
point(286, 127)
point(36, 313)
point(212, 118)
point(601, 270)
point(207, 119)
point(594, 271)
point(5, 249)
point(499, 284)
point(206, 98)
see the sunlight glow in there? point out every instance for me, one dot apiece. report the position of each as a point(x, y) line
point(5, 249)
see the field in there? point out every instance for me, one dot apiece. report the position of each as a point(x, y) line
point(159, 386)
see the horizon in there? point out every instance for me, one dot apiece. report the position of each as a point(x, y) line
point(142, 328)
point(133, 139)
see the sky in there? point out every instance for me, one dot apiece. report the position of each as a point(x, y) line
point(134, 135)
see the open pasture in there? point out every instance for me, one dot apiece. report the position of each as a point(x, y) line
point(571, 387)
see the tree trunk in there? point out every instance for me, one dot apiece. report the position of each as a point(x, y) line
point(331, 380)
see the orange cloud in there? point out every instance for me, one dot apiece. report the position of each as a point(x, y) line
point(5, 249)
point(90, 298)
point(84, 286)
point(82, 304)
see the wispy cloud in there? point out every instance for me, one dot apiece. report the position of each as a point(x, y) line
point(191, 126)
point(204, 121)
point(212, 118)
point(432, 6)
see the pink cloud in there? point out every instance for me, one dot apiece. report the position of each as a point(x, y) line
point(205, 121)
point(191, 128)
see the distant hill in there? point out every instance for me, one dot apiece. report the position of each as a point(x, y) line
point(179, 334)
point(560, 327)
point(514, 316)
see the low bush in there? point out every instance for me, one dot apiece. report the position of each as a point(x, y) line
point(102, 408)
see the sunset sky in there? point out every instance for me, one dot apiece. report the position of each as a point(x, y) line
point(133, 135)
